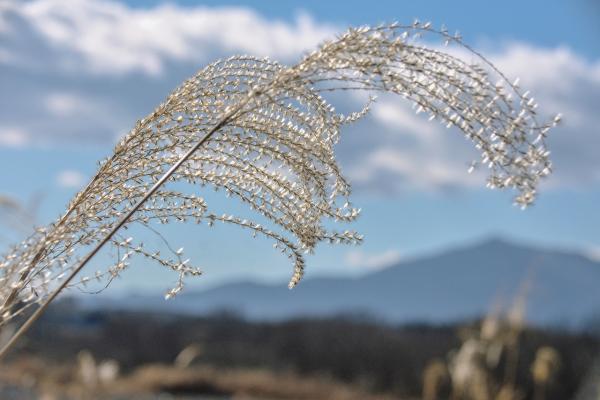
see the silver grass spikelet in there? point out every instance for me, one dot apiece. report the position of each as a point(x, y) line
point(261, 132)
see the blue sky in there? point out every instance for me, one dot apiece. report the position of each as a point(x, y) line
point(546, 23)
point(74, 76)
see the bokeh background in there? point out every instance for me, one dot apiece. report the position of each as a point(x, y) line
point(440, 248)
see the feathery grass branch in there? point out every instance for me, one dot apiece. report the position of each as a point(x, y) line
point(39, 311)
point(268, 139)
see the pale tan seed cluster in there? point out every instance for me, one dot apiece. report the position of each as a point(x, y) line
point(275, 153)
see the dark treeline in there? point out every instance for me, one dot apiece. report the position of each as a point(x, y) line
point(353, 349)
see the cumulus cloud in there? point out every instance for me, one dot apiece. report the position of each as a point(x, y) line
point(106, 64)
point(592, 253)
point(111, 38)
point(70, 179)
point(86, 71)
point(563, 82)
point(408, 152)
point(65, 104)
point(374, 261)
point(430, 174)
point(13, 137)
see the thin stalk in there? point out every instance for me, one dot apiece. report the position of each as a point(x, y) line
point(38, 313)
point(42, 252)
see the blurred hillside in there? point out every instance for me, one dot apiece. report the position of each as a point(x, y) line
point(560, 288)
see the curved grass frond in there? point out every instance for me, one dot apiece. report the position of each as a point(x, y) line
point(274, 152)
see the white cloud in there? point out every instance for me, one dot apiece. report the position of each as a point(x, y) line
point(70, 179)
point(65, 104)
point(107, 37)
point(106, 64)
point(403, 121)
point(409, 152)
point(414, 172)
point(593, 253)
point(13, 137)
point(361, 260)
point(547, 70)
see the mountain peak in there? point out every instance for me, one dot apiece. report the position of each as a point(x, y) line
point(455, 284)
point(497, 241)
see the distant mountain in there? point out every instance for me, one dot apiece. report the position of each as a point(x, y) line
point(562, 287)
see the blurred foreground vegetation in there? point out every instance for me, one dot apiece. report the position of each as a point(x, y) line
point(74, 354)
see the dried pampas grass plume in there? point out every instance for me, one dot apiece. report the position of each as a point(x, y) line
point(261, 132)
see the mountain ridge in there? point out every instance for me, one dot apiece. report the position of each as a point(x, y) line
point(459, 283)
